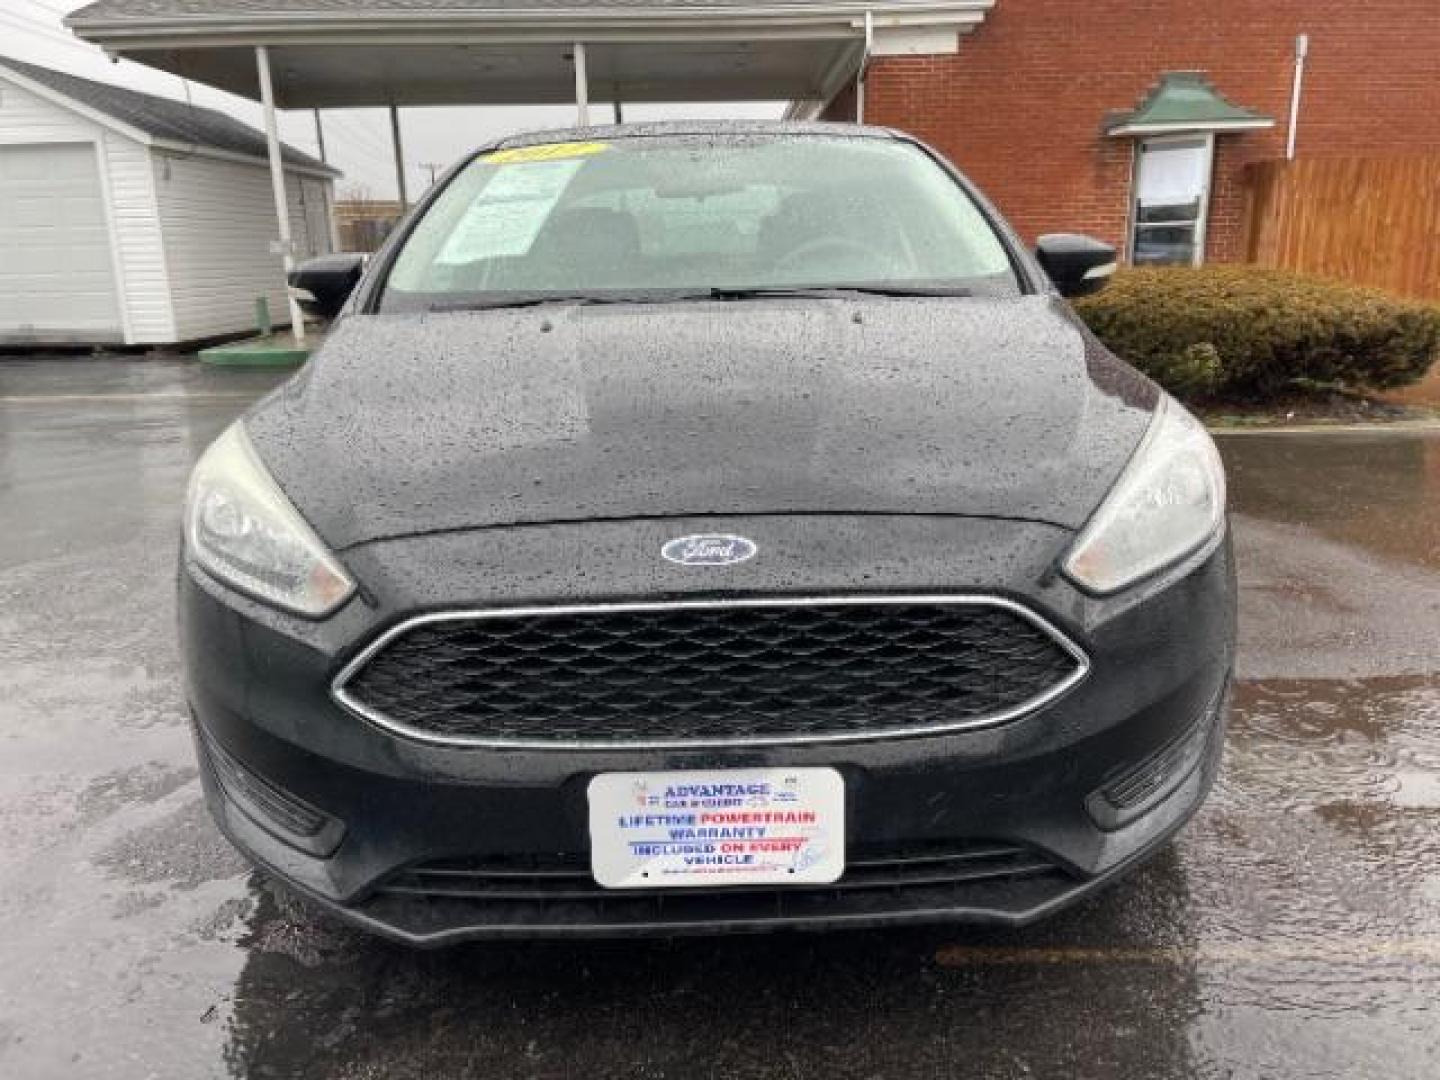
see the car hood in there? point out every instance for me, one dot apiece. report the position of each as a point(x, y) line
point(404, 424)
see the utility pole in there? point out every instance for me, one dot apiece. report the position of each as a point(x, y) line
point(433, 168)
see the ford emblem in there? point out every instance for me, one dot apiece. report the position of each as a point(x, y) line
point(708, 550)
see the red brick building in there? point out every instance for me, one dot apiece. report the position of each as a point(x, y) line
point(1023, 102)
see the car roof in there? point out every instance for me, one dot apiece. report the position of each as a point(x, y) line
point(789, 128)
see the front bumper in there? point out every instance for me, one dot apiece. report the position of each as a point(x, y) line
point(988, 825)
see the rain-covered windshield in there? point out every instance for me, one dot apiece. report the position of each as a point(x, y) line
point(695, 214)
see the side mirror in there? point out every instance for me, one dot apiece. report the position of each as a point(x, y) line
point(323, 284)
point(1078, 265)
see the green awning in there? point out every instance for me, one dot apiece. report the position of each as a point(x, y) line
point(1184, 101)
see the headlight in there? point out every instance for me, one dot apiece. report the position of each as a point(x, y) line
point(1169, 501)
point(242, 529)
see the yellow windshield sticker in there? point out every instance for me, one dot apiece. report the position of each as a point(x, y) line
point(546, 152)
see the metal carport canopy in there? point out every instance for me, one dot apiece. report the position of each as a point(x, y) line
point(357, 53)
point(337, 54)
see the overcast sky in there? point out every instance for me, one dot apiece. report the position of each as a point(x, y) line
point(357, 140)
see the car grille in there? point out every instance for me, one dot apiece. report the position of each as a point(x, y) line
point(701, 672)
point(567, 877)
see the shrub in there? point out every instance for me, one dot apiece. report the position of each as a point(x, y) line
point(1243, 332)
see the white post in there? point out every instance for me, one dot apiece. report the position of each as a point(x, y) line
point(325, 186)
point(277, 181)
point(399, 158)
point(328, 187)
point(320, 137)
point(864, 67)
point(582, 87)
point(1302, 50)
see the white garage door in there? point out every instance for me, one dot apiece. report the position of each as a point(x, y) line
point(56, 279)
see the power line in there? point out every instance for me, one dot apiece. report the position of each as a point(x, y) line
point(44, 26)
point(47, 8)
point(341, 124)
point(363, 144)
point(41, 26)
point(359, 134)
point(359, 151)
point(26, 25)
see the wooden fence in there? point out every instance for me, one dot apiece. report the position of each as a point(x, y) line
point(363, 224)
point(1373, 221)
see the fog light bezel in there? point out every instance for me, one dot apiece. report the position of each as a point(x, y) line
point(258, 798)
point(1115, 805)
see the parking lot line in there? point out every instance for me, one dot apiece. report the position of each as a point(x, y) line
point(1424, 950)
point(1386, 427)
point(121, 399)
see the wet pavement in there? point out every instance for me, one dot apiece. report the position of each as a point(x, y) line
point(1292, 931)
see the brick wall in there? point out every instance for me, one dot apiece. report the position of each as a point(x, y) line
point(1019, 108)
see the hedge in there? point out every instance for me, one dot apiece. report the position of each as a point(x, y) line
point(1247, 333)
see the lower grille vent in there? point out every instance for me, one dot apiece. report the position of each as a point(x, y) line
point(567, 877)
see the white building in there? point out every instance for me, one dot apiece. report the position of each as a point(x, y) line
point(130, 219)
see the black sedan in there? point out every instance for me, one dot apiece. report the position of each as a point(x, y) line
point(698, 528)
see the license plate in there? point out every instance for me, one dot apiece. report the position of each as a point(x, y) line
point(710, 829)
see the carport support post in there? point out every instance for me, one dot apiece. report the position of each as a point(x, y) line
point(277, 181)
point(582, 87)
point(864, 67)
point(399, 158)
point(320, 137)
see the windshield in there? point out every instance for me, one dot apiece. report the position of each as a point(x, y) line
point(693, 214)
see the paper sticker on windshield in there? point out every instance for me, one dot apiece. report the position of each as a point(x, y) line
point(546, 152)
point(509, 212)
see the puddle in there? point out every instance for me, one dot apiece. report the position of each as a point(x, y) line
point(1380, 492)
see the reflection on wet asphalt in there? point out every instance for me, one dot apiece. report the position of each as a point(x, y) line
point(1293, 930)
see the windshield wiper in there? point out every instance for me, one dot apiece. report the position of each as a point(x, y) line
point(527, 300)
point(835, 292)
point(670, 296)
